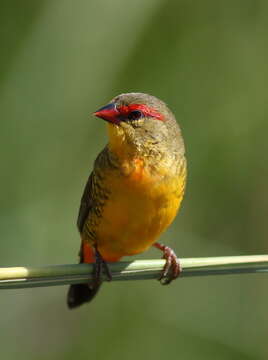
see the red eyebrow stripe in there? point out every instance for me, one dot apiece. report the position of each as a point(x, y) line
point(146, 110)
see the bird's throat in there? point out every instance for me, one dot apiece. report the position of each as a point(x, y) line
point(119, 143)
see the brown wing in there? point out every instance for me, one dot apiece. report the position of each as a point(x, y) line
point(85, 205)
point(95, 194)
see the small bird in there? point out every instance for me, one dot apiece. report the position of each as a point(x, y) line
point(134, 191)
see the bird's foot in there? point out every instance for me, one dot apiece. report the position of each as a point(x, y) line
point(100, 267)
point(172, 268)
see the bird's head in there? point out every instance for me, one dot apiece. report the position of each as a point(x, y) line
point(140, 122)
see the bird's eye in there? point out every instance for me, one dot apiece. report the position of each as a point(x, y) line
point(135, 115)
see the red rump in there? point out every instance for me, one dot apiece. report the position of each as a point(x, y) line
point(87, 254)
point(146, 110)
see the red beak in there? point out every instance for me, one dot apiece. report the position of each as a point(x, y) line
point(109, 113)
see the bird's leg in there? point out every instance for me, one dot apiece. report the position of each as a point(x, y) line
point(172, 263)
point(101, 265)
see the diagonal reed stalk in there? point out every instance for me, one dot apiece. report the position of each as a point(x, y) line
point(51, 275)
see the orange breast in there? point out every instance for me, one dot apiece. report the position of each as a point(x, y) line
point(141, 206)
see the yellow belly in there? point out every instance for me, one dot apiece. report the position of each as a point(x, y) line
point(139, 209)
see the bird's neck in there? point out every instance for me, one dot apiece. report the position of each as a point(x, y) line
point(127, 153)
point(127, 147)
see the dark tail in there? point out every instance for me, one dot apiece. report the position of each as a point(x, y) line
point(78, 294)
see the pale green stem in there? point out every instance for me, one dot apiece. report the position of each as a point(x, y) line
point(28, 276)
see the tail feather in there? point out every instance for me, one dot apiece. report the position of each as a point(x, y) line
point(81, 293)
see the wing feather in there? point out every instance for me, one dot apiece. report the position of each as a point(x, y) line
point(85, 205)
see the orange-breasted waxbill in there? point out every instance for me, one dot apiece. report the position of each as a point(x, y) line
point(135, 189)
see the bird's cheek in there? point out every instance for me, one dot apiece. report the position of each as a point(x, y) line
point(127, 128)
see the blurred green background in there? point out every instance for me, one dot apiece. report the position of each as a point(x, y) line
point(60, 61)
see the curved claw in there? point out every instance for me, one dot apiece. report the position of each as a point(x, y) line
point(172, 268)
